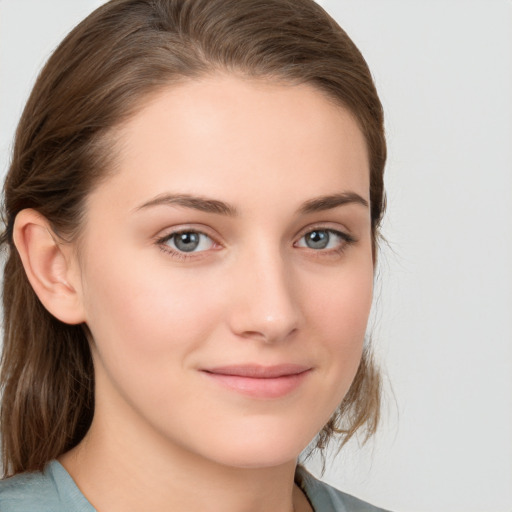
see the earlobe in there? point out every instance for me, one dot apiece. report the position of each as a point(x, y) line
point(50, 266)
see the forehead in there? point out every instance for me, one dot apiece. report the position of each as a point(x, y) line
point(238, 137)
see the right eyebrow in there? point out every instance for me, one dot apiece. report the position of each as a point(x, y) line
point(202, 204)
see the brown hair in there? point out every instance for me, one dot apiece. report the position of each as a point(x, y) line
point(96, 79)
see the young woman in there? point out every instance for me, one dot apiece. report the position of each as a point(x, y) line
point(192, 216)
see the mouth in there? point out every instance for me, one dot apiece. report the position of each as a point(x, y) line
point(258, 381)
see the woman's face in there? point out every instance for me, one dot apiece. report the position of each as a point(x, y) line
point(226, 270)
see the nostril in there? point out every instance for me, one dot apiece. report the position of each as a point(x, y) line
point(270, 332)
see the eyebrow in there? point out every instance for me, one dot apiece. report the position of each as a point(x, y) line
point(202, 204)
point(207, 205)
point(329, 202)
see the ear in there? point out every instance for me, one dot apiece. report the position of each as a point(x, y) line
point(50, 265)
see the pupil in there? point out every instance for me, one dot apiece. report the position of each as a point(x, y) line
point(317, 239)
point(187, 242)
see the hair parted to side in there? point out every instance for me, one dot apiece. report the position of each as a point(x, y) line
point(98, 77)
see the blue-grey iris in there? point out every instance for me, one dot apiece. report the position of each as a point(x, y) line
point(187, 242)
point(317, 239)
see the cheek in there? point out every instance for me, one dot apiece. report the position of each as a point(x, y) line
point(147, 325)
point(342, 305)
point(145, 312)
point(338, 314)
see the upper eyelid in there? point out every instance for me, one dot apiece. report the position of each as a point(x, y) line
point(161, 242)
point(167, 233)
point(171, 231)
point(175, 233)
point(345, 237)
point(325, 226)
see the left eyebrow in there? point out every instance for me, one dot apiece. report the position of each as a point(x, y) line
point(320, 204)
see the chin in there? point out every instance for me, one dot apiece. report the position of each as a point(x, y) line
point(258, 460)
point(261, 449)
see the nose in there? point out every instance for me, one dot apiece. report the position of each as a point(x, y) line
point(265, 303)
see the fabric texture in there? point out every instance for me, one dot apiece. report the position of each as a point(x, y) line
point(324, 498)
point(53, 490)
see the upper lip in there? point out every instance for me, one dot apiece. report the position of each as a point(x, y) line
point(256, 371)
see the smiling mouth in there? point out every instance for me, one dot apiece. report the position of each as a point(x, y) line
point(257, 381)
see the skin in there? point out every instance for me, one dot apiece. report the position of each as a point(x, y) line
point(165, 435)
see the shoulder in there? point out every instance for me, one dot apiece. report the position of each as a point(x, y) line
point(325, 498)
point(24, 492)
point(51, 490)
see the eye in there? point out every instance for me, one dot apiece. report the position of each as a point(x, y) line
point(321, 239)
point(187, 241)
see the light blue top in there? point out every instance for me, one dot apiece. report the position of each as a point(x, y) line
point(53, 490)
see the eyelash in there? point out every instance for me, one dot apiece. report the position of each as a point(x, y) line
point(181, 255)
point(347, 240)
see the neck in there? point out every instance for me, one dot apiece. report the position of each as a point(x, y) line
point(122, 469)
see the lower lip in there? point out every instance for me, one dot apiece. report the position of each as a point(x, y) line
point(275, 387)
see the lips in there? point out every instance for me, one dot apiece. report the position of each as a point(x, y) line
point(260, 381)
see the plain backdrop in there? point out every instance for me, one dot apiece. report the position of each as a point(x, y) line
point(442, 323)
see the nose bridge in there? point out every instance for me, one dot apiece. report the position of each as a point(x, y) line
point(265, 305)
